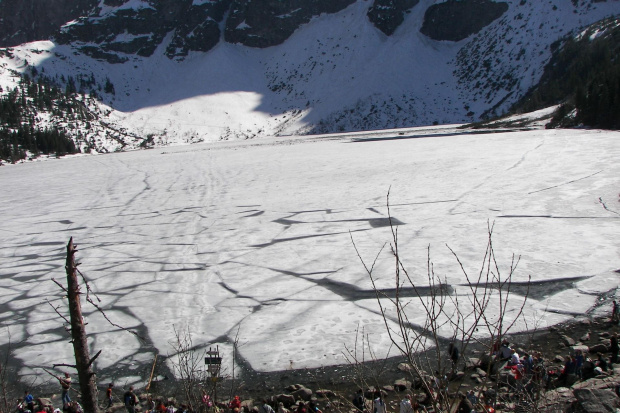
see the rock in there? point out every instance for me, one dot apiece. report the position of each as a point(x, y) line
point(558, 359)
point(264, 24)
point(597, 348)
point(29, 20)
point(582, 348)
point(456, 20)
point(387, 15)
point(402, 385)
point(303, 394)
point(406, 367)
point(474, 376)
point(45, 401)
point(388, 388)
point(472, 362)
point(585, 337)
point(294, 387)
point(481, 372)
point(567, 340)
point(286, 399)
point(604, 334)
point(595, 400)
point(325, 393)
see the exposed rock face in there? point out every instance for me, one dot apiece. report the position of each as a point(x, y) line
point(270, 22)
point(457, 19)
point(387, 15)
point(140, 30)
point(595, 401)
point(24, 21)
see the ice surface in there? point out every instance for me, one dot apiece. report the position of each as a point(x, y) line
point(254, 238)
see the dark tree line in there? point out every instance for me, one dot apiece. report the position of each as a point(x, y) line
point(20, 108)
point(583, 75)
point(15, 142)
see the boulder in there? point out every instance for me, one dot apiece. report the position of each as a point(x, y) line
point(567, 340)
point(585, 337)
point(302, 394)
point(583, 349)
point(456, 20)
point(472, 362)
point(402, 385)
point(286, 399)
point(324, 393)
point(595, 401)
point(406, 367)
point(45, 401)
point(597, 348)
point(294, 387)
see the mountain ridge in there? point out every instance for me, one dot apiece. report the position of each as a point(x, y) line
point(337, 72)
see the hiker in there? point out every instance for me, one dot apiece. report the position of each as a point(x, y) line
point(264, 408)
point(66, 385)
point(614, 348)
point(471, 396)
point(579, 360)
point(130, 400)
point(359, 401)
point(108, 395)
point(528, 363)
point(514, 358)
point(504, 351)
point(441, 384)
point(150, 404)
point(207, 403)
point(161, 407)
point(28, 401)
point(465, 405)
point(601, 363)
point(313, 408)
point(301, 408)
point(454, 354)
point(235, 403)
point(282, 409)
point(379, 404)
point(406, 405)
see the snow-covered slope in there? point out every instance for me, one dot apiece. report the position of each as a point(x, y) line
point(336, 73)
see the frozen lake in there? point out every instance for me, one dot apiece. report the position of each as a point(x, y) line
point(254, 238)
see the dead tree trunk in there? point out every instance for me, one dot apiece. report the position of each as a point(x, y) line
point(83, 362)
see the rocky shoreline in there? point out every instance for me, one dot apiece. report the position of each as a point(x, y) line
point(332, 387)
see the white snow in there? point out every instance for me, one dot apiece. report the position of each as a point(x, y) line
point(338, 69)
point(254, 237)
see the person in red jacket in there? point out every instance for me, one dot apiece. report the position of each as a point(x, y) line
point(235, 404)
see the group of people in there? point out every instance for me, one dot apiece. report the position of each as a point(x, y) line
point(409, 404)
point(530, 369)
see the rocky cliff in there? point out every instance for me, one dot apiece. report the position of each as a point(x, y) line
point(456, 20)
point(24, 21)
point(115, 29)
